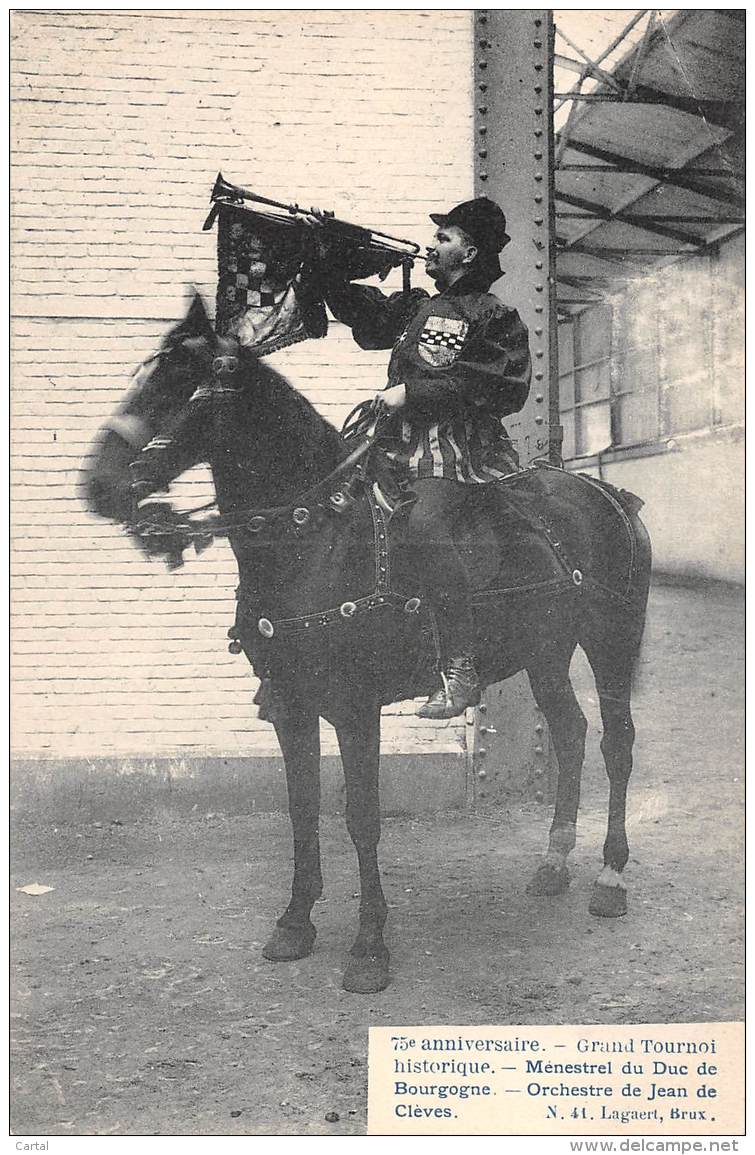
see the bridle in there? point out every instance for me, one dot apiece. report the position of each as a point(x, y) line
point(333, 494)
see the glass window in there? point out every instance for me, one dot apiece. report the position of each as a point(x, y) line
point(664, 356)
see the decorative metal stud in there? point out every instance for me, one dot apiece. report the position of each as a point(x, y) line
point(412, 605)
point(577, 577)
point(301, 515)
point(348, 609)
point(256, 524)
point(266, 627)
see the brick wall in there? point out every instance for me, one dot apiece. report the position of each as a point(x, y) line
point(120, 122)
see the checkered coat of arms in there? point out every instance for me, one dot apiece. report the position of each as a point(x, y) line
point(442, 340)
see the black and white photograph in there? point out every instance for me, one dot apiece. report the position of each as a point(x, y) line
point(377, 571)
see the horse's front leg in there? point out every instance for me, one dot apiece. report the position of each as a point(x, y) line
point(298, 732)
point(359, 741)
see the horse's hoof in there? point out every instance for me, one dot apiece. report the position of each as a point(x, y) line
point(365, 974)
point(608, 901)
point(549, 879)
point(287, 943)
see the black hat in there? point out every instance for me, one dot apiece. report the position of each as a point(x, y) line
point(484, 223)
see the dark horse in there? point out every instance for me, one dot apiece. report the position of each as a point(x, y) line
point(329, 608)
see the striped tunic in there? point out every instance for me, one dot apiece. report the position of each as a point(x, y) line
point(463, 357)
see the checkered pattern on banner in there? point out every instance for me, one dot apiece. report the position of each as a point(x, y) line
point(243, 239)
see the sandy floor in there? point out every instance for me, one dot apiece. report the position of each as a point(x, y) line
point(141, 1005)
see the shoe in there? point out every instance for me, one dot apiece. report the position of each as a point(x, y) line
point(460, 689)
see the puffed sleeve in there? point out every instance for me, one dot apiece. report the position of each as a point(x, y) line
point(375, 319)
point(491, 371)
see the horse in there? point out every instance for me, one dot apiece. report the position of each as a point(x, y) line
point(330, 611)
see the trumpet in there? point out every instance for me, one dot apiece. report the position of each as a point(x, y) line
point(225, 193)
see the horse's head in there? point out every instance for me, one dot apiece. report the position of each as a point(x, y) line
point(166, 393)
point(203, 397)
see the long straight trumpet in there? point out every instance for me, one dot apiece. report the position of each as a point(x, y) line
point(225, 192)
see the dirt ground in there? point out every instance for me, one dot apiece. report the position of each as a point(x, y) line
point(141, 1004)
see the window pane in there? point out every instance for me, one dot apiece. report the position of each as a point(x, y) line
point(565, 346)
point(568, 449)
point(566, 391)
point(592, 383)
point(636, 418)
point(593, 428)
point(592, 339)
point(637, 370)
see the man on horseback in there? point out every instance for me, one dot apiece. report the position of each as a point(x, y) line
point(460, 363)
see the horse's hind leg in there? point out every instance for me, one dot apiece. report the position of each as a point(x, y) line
point(299, 736)
point(554, 695)
point(359, 742)
point(612, 653)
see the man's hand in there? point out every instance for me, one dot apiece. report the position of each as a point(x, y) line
point(391, 399)
point(315, 219)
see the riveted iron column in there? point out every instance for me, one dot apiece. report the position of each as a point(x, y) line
point(514, 165)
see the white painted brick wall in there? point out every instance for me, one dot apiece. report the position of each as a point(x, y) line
point(120, 121)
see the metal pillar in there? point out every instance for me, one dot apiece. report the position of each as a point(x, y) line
point(514, 165)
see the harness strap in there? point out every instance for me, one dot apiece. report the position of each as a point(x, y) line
point(132, 429)
point(382, 595)
point(618, 507)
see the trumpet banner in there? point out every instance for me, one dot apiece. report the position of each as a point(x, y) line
point(269, 293)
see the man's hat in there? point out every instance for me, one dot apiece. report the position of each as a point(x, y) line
point(484, 223)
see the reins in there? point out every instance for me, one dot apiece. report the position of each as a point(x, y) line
point(326, 493)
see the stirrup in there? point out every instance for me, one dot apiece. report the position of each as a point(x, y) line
point(460, 689)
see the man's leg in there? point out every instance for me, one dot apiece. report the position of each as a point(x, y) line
point(446, 583)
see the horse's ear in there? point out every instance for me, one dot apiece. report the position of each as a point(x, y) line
point(196, 323)
point(197, 318)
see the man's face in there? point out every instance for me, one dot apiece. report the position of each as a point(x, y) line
point(450, 255)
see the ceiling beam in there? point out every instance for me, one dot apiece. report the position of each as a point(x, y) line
point(606, 214)
point(681, 218)
point(590, 66)
point(607, 51)
point(675, 178)
point(728, 114)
